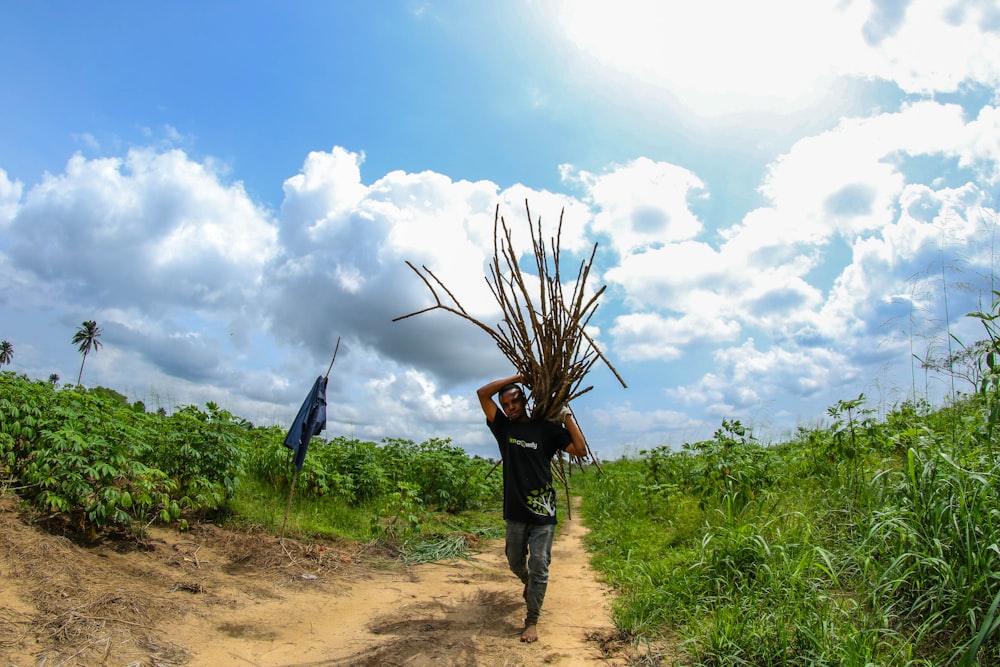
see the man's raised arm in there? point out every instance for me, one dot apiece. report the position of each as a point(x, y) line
point(486, 392)
point(579, 445)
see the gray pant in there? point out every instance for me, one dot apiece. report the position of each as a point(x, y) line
point(529, 551)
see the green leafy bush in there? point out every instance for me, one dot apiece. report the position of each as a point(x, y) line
point(93, 459)
point(731, 467)
point(446, 477)
point(201, 452)
point(80, 455)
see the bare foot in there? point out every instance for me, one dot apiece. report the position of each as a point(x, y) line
point(530, 634)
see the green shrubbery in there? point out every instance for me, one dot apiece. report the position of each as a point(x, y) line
point(443, 476)
point(97, 462)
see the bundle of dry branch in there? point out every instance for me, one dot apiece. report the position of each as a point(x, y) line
point(543, 333)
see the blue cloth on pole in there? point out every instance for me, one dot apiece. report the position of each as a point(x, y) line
point(310, 420)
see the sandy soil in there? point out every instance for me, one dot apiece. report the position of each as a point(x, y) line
point(215, 597)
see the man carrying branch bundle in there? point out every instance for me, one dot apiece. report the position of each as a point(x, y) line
point(544, 334)
point(529, 498)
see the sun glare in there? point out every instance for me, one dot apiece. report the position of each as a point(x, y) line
point(717, 57)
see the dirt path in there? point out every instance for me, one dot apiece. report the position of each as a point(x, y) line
point(214, 598)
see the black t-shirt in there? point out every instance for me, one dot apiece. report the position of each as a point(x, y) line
point(527, 449)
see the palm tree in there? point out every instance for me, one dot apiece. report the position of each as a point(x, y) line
point(6, 352)
point(87, 338)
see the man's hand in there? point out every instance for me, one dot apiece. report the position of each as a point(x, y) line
point(578, 447)
point(564, 412)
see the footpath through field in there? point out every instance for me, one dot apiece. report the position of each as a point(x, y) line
point(220, 597)
point(463, 612)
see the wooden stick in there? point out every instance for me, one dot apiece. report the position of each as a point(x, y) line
point(288, 506)
point(337, 347)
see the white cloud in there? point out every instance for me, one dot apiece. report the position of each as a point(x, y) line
point(153, 228)
point(548, 206)
point(980, 145)
point(642, 203)
point(847, 180)
point(722, 57)
point(852, 182)
point(345, 271)
point(855, 183)
point(10, 198)
point(650, 336)
point(907, 258)
point(937, 46)
point(667, 277)
point(748, 382)
point(319, 196)
point(434, 222)
point(622, 428)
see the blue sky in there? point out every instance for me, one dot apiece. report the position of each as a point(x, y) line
point(782, 198)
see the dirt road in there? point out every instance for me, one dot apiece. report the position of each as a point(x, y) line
point(214, 597)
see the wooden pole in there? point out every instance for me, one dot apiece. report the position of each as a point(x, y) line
point(288, 506)
point(334, 358)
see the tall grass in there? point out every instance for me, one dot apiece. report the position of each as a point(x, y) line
point(877, 548)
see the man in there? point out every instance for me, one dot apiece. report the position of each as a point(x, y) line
point(529, 498)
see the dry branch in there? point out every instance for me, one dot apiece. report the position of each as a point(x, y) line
point(543, 333)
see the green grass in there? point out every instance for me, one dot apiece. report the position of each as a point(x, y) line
point(259, 503)
point(881, 550)
point(256, 502)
